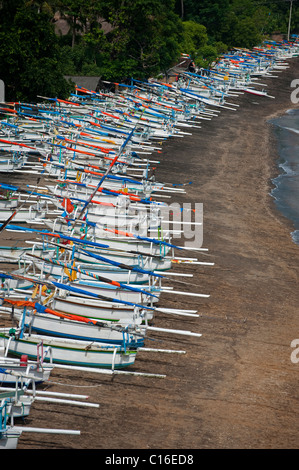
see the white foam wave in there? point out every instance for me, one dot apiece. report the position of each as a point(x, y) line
point(296, 131)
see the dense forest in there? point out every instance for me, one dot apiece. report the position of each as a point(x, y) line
point(118, 39)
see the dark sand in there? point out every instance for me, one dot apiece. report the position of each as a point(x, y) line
point(236, 386)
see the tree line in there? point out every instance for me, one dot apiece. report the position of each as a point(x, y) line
point(119, 39)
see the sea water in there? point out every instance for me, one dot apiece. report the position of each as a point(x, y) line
point(286, 190)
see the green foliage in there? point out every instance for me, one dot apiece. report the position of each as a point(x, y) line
point(76, 14)
point(239, 22)
point(196, 43)
point(209, 13)
point(194, 37)
point(142, 40)
point(206, 55)
point(144, 36)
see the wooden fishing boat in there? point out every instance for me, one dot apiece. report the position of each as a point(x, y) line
point(85, 261)
point(92, 308)
point(101, 310)
point(12, 254)
point(24, 215)
point(87, 272)
point(114, 292)
point(119, 240)
point(257, 92)
point(8, 284)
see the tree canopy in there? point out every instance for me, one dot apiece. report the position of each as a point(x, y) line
point(119, 39)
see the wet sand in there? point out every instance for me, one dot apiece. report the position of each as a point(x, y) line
point(236, 386)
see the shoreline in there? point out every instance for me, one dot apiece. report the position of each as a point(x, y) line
point(275, 171)
point(236, 386)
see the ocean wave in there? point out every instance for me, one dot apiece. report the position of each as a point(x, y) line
point(288, 171)
point(295, 236)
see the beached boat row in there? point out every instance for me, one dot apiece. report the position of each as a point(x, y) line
point(110, 262)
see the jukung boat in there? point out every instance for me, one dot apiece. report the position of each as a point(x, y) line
point(34, 317)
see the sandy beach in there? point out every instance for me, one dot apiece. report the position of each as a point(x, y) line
point(236, 387)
